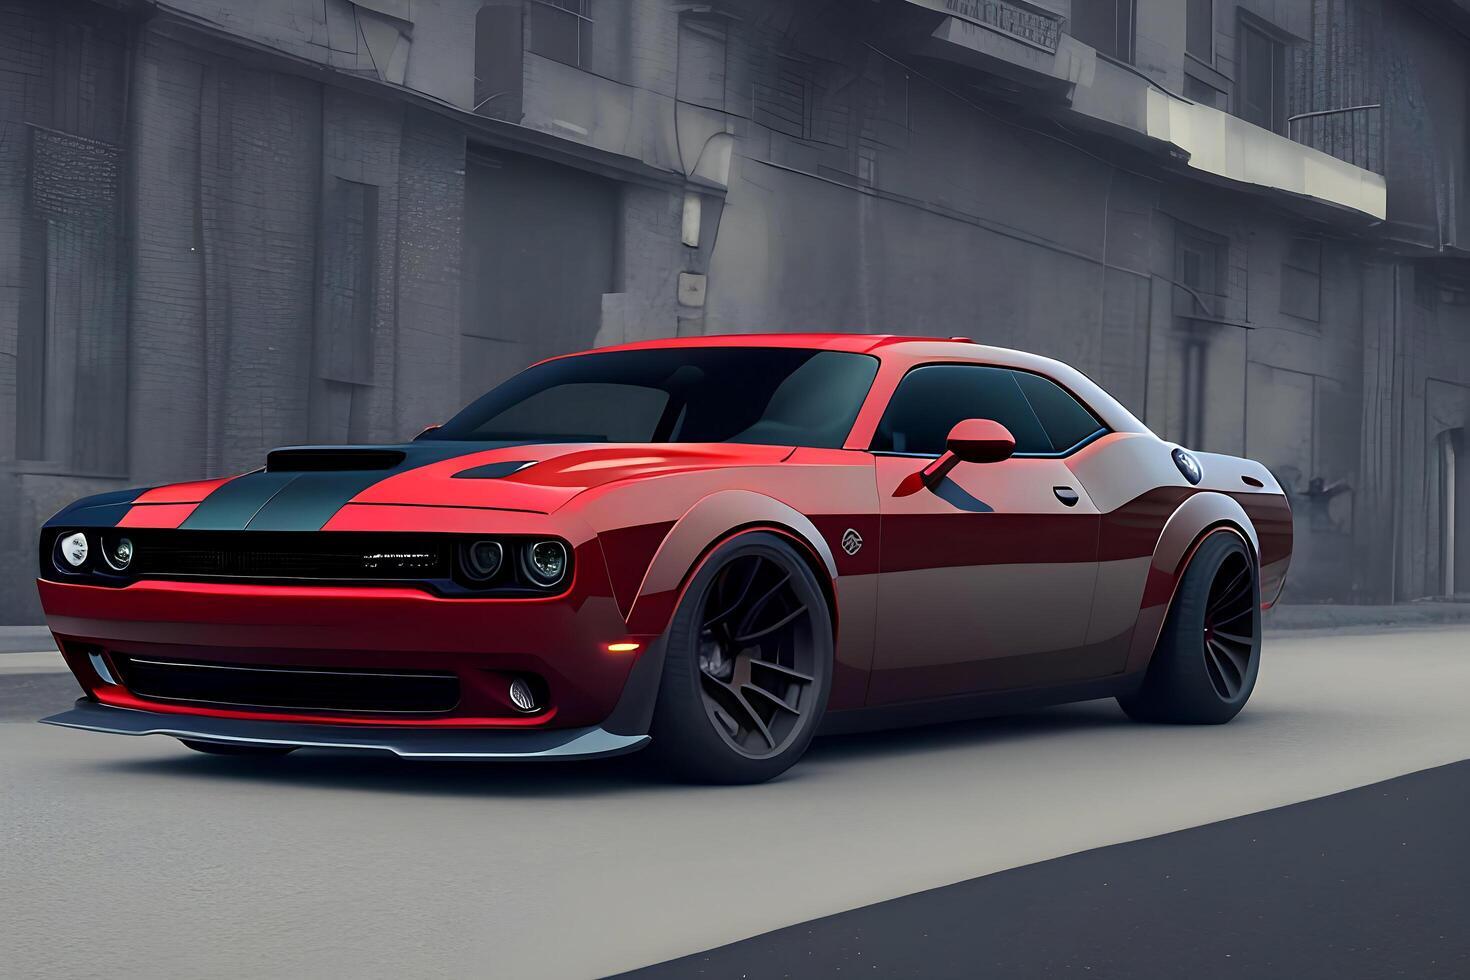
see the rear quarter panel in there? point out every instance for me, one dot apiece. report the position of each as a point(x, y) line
point(1152, 519)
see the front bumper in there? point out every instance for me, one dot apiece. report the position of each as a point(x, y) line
point(482, 642)
point(526, 745)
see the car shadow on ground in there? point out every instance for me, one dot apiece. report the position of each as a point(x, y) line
point(829, 757)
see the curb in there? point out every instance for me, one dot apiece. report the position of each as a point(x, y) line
point(1407, 615)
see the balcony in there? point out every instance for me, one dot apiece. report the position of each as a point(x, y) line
point(1021, 41)
point(1227, 147)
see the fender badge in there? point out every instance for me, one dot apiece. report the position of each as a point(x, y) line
point(851, 541)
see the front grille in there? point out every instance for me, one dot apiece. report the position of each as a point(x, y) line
point(318, 555)
point(431, 562)
point(290, 688)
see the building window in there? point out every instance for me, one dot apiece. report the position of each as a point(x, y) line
point(560, 30)
point(1301, 279)
point(1199, 269)
point(1107, 25)
point(499, 60)
point(1199, 30)
point(1262, 87)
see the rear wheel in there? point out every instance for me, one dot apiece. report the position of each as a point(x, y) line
point(1204, 667)
point(748, 666)
point(225, 748)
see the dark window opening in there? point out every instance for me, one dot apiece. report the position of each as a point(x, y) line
point(1199, 30)
point(498, 61)
point(1199, 269)
point(1107, 25)
point(560, 30)
point(1301, 279)
point(772, 396)
point(1196, 90)
point(1262, 80)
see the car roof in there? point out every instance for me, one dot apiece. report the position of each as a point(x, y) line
point(860, 343)
point(902, 351)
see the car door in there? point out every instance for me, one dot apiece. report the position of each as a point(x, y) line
point(987, 578)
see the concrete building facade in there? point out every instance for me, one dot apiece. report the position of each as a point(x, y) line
point(226, 227)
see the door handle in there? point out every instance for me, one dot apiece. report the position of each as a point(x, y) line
point(1066, 495)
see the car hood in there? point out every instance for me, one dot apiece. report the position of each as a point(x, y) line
point(538, 478)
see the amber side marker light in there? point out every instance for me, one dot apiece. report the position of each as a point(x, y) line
point(622, 647)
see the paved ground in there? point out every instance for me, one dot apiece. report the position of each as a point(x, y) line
point(129, 857)
point(1367, 883)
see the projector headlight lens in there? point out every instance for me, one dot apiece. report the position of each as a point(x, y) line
point(120, 555)
point(73, 549)
point(482, 559)
point(546, 562)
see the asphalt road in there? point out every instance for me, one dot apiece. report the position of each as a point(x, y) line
point(1366, 883)
point(134, 857)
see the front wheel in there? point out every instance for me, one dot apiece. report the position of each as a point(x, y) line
point(1209, 652)
point(748, 666)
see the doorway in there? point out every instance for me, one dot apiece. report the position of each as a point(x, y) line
point(539, 253)
point(1454, 516)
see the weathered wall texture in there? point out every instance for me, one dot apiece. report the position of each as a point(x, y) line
point(226, 227)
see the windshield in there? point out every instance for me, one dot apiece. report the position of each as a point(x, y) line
point(778, 396)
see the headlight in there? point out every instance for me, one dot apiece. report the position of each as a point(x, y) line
point(118, 555)
point(545, 562)
point(482, 559)
point(73, 550)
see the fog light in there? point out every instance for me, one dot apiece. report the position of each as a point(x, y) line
point(74, 549)
point(522, 696)
point(546, 562)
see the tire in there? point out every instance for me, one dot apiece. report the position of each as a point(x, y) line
point(1209, 651)
point(221, 748)
point(745, 678)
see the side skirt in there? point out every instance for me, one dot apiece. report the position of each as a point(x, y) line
point(937, 711)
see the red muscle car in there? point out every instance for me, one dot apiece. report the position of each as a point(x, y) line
point(715, 548)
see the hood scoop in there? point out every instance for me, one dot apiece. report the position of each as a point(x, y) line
point(326, 459)
point(494, 471)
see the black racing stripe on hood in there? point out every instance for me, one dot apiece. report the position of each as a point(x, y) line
point(98, 510)
point(307, 500)
point(231, 505)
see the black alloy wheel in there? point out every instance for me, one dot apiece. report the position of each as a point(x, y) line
point(1230, 632)
point(1209, 652)
point(748, 666)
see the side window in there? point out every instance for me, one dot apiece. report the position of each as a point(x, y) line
point(1066, 421)
point(931, 399)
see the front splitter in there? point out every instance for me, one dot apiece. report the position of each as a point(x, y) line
point(507, 746)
